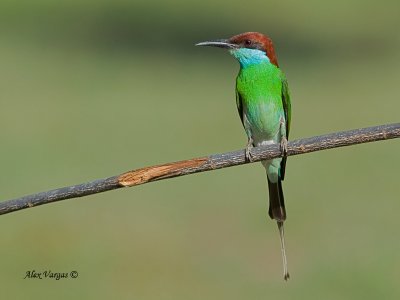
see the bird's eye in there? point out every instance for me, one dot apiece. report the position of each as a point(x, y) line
point(247, 42)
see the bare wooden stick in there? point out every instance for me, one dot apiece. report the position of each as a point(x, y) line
point(202, 164)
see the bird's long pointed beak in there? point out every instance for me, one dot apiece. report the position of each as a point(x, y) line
point(218, 43)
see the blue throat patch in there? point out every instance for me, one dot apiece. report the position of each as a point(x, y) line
point(247, 57)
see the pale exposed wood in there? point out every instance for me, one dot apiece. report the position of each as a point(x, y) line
point(148, 174)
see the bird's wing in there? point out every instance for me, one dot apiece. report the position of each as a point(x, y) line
point(239, 105)
point(287, 109)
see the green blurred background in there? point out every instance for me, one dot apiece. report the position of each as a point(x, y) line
point(90, 89)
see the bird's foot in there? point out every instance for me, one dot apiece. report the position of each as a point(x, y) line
point(283, 145)
point(284, 142)
point(249, 146)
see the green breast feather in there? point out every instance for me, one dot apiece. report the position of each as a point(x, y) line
point(262, 95)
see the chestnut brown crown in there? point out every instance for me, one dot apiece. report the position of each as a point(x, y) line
point(255, 40)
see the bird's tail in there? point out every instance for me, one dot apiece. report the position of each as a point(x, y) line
point(277, 209)
point(277, 212)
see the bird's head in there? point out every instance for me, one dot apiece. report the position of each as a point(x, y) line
point(248, 48)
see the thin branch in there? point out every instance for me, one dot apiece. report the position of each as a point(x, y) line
point(202, 164)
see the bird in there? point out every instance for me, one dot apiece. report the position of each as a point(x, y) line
point(264, 107)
